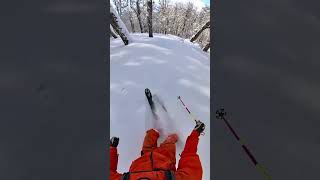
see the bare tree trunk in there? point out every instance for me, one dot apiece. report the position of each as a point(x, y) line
point(175, 19)
point(139, 15)
point(207, 25)
point(186, 18)
point(167, 25)
point(131, 22)
point(116, 27)
point(149, 7)
point(113, 34)
point(166, 14)
point(205, 49)
point(120, 9)
point(183, 26)
point(184, 22)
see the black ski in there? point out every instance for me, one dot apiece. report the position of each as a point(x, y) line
point(149, 98)
point(154, 102)
point(160, 102)
point(151, 103)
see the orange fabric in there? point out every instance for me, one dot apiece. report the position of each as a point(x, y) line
point(155, 158)
point(168, 149)
point(150, 141)
point(163, 157)
point(114, 175)
point(189, 166)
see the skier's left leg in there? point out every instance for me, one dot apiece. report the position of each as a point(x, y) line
point(168, 148)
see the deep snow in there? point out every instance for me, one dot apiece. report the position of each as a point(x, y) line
point(170, 67)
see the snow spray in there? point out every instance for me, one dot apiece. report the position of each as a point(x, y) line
point(220, 114)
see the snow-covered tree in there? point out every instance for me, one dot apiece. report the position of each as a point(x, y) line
point(118, 26)
point(112, 33)
point(206, 47)
point(120, 5)
point(207, 25)
point(168, 17)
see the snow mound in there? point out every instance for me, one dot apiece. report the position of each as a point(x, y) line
point(170, 67)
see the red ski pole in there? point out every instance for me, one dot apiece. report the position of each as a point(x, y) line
point(192, 116)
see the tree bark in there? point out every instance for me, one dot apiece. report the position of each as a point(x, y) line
point(131, 22)
point(139, 15)
point(167, 25)
point(116, 27)
point(113, 34)
point(205, 49)
point(207, 25)
point(183, 26)
point(188, 11)
point(149, 7)
point(175, 19)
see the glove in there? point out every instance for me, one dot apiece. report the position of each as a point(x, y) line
point(200, 126)
point(114, 141)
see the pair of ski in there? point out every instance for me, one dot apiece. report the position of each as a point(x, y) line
point(154, 102)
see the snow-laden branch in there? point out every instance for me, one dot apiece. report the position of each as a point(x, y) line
point(119, 26)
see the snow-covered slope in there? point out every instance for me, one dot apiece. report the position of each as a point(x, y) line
point(170, 67)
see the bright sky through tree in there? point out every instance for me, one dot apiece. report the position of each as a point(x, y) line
point(206, 2)
point(198, 3)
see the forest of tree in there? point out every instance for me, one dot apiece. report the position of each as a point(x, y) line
point(180, 19)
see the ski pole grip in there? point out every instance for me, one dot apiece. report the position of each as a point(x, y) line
point(220, 113)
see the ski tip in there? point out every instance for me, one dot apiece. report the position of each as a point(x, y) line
point(147, 91)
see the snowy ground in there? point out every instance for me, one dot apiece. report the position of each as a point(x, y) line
point(170, 67)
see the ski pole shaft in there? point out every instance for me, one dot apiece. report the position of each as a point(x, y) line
point(221, 115)
point(252, 158)
point(192, 116)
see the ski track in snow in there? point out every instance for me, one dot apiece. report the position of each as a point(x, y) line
point(170, 67)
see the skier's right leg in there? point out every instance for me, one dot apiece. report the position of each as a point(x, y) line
point(150, 141)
